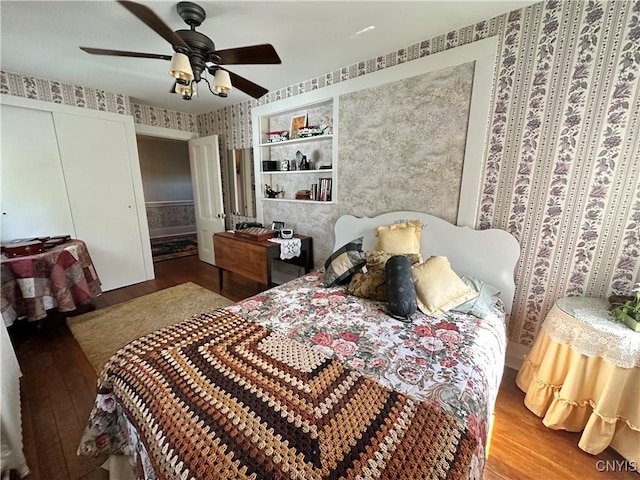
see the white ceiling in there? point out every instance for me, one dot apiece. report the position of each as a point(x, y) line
point(41, 38)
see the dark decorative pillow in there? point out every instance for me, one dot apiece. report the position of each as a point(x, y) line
point(371, 283)
point(400, 288)
point(344, 262)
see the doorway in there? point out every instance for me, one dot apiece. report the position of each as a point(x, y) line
point(168, 194)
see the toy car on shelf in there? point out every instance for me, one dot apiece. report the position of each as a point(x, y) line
point(310, 131)
point(277, 136)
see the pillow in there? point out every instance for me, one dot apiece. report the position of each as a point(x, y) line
point(399, 238)
point(400, 288)
point(481, 306)
point(371, 283)
point(342, 263)
point(438, 288)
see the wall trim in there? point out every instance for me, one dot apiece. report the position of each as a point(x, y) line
point(172, 231)
point(153, 131)
point(477, 137)
point(24, 102)
point(168, 203)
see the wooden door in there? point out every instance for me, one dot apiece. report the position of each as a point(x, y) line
point(204, 158)
point(97, 169)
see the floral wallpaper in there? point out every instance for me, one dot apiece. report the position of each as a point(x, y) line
point(165, 218)
point(232, 123)
point(78, 96)
point(161, 117)
point(63, 93)
point(562, 156)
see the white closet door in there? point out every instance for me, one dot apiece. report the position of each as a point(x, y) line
point(34, 198)
point(97, 171)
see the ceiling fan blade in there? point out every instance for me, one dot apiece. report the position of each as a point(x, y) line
point(247, 86)
point(122, 53)
point(255, 54)
point(147, 15)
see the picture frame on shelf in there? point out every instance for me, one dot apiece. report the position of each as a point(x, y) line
point(297, 122)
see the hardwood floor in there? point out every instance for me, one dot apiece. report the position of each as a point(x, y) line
point(58, 389)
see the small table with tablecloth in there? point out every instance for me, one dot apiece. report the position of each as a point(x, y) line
point(62, 277)
point(583, 374)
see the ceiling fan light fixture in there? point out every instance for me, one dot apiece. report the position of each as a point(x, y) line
point(195, 53)
point(222, 82)
point(185, 89)
point(181, 67)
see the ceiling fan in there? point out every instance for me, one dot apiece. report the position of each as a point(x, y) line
point(195, 54)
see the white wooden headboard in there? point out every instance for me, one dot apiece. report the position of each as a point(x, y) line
point(490, 255)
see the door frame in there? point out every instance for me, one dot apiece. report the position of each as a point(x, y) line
point(167, 133)
point(162, 132)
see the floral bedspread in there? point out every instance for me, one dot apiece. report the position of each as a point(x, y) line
point(456, 359)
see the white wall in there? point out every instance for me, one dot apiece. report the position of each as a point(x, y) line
point(164, 164)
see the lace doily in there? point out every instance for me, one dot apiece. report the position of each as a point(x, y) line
point(586, 325)
point(289, 247)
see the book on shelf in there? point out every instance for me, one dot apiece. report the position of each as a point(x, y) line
point(303, 195)
point(324, 187)
point(314, 191)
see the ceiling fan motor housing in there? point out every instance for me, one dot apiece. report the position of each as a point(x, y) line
point(200, 46)
point(192, 14)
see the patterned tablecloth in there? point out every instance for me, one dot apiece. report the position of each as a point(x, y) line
point(63, 277)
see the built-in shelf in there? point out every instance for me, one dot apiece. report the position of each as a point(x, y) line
point(293, 172)
point(320, 150)
point(297, 140)
point(267, 199)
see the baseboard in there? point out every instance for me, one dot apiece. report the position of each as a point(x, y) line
point(515, 354)
point(170, 231)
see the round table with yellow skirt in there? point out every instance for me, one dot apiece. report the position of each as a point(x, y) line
point(583, 374)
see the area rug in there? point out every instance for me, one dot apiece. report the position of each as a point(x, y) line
point(104, 331)
point(167, 248)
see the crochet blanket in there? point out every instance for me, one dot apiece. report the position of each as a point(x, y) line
point(217, 396)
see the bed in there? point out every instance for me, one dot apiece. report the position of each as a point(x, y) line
point(310, 381)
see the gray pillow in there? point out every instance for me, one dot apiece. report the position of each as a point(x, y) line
point(344, 262)
point(482, 305)
point(401, 291)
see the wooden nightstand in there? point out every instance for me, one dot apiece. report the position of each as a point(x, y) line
point(253, 259)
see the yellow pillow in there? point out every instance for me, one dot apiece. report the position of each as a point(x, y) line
point(438, 288)
point(399, 238)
